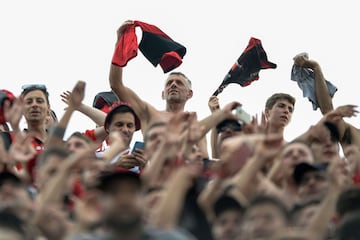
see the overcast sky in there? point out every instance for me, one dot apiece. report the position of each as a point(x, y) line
point(60, 42)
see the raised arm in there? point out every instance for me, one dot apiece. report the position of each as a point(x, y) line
point(321, 90)
point(124, 93)
point(57, 132)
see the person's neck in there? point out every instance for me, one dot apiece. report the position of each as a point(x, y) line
point(277, 130)
point(37, 130)
point(175, 107)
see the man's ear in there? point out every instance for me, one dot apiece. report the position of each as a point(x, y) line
point(162, 95)
point(190, 94)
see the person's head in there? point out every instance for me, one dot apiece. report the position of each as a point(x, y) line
point(326, 147)
point(37, 105)
point(228, 128)
point(48, 163)
point(14, 195)
point(122, 199)
point(349, 229)
point(123, 119)
point(348, 201)
point(177, 88)
point(301, 212)
point(279, 108)
point(228, 216)
point(77, 142)
point(292, 154)
point(195, 155)
point(264, 217)
point(152, 137)
point(311, 180)
point(12, 227)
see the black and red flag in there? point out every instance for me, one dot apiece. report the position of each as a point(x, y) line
point(247, 67)
point(155, 45)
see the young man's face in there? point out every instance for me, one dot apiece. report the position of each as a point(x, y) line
point(324, 150)
point(262, 222)
point(227, 225)
point(36, 107)
point(177, 89)
point(76, 144)
point(125, 124)
point(281, 113)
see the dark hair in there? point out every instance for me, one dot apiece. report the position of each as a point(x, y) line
point(120, 109)
point(270, 200)
point(349, 228)
point(348, 201)
point(31, 88)
point(225, 203)
point(51, 151)
point(9, 220)
point(270, 102)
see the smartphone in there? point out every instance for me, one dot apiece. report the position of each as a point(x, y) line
point(137, 145)
point(243, 115)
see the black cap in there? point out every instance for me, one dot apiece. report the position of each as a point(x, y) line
point(9, 177)
point(118, 174)
point(304, 167)
point(228, 122)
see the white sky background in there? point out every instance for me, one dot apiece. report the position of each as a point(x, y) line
point(60, 42)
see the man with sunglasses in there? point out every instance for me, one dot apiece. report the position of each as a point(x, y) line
point(35, 106)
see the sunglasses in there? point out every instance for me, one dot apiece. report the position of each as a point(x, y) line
point(27, 87)
point(233, 126)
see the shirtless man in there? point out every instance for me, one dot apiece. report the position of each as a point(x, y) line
point(176, 92)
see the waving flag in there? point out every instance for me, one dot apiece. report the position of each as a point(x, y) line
point(247, 67)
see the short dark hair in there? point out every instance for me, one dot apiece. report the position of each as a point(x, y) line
point(121, 108)
point(34, 87)
point(225, 203)
point(348, 201)
point(9, 220)
point(270, 102)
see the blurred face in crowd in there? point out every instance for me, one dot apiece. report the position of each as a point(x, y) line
point(91, 173)
point(305, 214)
point(121, 205)
point(15, 197)
point(49, 169)
point(177, 89)
point(293, 154)
point(324, 149)
point(313, 185)
point(280, 114)
point(125, 124)
point(36, 107)
point(227, 225)
point(262, 222)
point(228, 130)
point(153, 138)
point(195, 156)
point(75, 144)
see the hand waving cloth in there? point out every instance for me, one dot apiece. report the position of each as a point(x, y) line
point(155, 45)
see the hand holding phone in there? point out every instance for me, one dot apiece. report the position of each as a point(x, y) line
point(137, 145)
point(242, 115)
